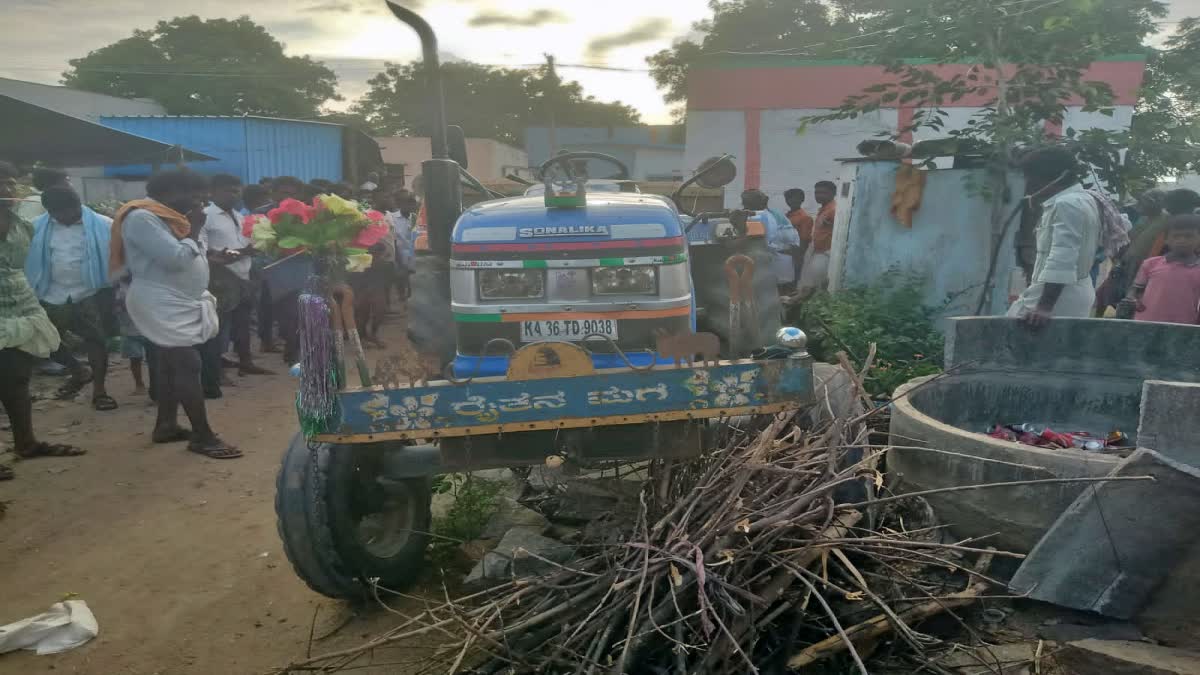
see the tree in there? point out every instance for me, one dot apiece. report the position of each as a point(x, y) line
point(213, 67)
point(1164, 139)
point(487, 102)
point(812, 28)
point(1031, 61)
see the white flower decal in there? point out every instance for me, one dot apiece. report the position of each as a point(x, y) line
point(734, 390)
point(414, 412)
point(698, 383)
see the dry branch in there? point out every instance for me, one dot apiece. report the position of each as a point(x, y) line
point(723, 569)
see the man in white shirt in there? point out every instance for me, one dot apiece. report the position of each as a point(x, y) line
point(782, 239)
point(229, 257)
point(1068, 235)
point(68, 269)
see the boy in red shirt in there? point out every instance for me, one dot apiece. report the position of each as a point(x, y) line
point(1167, 288)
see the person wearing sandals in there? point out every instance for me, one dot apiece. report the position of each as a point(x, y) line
point(155, 240)
point(26, 333)
point(68, 269)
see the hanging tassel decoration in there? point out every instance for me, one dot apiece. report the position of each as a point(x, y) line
point(317, 400)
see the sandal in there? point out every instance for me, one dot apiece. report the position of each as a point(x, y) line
point(72, 387)
point(215, 449)
point(176, 435)
point(104, 403)
point(50, 450)
point(6, 472)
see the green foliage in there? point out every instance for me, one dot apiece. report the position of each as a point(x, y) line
point(1031, 61)
point(487, 102)
point(889, 313)
point(207, 67)
point(807, 28)
point(475, 501)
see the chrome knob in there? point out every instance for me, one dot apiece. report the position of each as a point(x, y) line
point(793, 338)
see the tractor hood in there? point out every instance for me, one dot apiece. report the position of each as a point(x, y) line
point(616, 220)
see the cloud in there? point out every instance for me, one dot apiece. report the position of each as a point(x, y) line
point(648, 30)
point(537, 17)
point(352, 6)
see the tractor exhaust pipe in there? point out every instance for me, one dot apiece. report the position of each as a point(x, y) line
point(443, 191)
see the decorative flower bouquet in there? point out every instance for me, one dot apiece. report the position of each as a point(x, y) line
point(332, 229)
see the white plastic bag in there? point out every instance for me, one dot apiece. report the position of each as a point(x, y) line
point(65, 626)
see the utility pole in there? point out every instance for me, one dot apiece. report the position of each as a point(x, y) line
point(552, 87)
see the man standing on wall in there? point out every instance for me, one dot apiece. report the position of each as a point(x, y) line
point(1067, 236)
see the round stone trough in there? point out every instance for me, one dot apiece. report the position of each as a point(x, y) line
point(1077, 374)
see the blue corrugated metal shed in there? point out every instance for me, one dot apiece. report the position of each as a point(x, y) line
point(248, 147)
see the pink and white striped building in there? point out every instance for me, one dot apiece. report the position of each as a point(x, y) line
point(752, 107)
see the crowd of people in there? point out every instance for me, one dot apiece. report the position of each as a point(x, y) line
point(1152, 249)
point(799, 242)
point(174, 277)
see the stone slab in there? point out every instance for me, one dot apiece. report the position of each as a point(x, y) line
point(1114, 545)
point(1169, 423)
point(1096, 657)
point(511, 558)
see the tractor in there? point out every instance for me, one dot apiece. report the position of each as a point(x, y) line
point(584, 320)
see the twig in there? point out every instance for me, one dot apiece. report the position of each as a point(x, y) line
point(881, 625)
point(961, 488)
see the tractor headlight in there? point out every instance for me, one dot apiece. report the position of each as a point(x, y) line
point(625, 281)
point(511, 284)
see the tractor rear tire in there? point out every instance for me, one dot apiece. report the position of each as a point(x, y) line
point(341, 529)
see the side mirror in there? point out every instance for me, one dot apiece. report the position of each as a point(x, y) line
point(716, 172)
point(457, 140)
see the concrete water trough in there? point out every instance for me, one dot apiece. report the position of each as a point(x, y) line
point(1077, 374)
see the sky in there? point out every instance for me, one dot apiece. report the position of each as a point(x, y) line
point(355, 37)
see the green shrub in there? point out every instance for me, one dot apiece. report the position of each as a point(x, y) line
point(475, 501)
point(889, 313)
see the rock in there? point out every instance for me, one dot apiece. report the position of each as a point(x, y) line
point(585, 500)
point(1092, 657)
point(510, 558)
point(496, 475)
point(1113, 546)
point(1073, 632)
point(476, 550)
point(511, 514)
point(543, 478)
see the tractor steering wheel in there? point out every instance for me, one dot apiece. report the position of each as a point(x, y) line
point(564, 160)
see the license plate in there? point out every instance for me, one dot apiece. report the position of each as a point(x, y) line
point(573, 330)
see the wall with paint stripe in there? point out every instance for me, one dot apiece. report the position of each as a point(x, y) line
point(752, 109)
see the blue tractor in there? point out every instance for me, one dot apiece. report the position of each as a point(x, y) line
point(583, 320)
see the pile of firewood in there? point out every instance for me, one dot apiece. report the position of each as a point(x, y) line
point(772, 554)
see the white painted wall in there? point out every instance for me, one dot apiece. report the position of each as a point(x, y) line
point(487, 158)
point(657, 162)
point(791, 160)
point(711, 133)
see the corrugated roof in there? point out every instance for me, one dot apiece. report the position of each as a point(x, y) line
point(231, 117)
point(32, 133)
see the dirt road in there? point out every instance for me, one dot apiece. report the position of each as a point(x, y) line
point(176, 554)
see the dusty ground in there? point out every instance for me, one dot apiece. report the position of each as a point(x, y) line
point(176, 554)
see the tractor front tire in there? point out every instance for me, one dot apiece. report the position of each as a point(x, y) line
point(342, 529)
